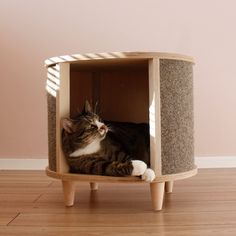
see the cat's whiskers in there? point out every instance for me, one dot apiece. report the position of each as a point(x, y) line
point(110, 128)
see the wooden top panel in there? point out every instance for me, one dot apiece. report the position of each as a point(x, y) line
point(95, 57)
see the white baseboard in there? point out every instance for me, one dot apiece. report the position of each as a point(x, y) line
point(40, 164)
point(216, 162)
point(23, 164)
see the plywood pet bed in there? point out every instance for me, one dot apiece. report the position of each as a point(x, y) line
point(155, 87)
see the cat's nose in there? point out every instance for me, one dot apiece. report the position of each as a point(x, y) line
point(103, 129)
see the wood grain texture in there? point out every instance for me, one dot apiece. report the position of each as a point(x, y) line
point(209, 230)
point(125, 220)
point(6, 218)
point(203, 205)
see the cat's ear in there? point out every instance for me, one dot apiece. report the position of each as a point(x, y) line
point(96, 108)
point(68, 125)
point(87, 107)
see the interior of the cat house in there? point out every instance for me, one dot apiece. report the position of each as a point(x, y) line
point(119, 87)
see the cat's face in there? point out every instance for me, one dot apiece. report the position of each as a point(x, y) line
point(85, 128)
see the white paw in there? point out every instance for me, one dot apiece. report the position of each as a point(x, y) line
point(148, 175)
point(139, 167)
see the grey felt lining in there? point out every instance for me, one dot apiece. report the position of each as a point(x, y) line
point(177, 140)
point(51, 131)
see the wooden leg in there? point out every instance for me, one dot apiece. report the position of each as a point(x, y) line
point(93, 186)
point(157, 195)
point(69, 192)
point(169, 186)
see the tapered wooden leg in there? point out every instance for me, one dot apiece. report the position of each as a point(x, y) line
point(93, 186)
point(157, 195)
point(169, 186)
point(69, 192)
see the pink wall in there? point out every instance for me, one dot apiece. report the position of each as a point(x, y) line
point(33, 30)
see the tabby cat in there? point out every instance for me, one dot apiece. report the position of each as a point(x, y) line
point(92, 146)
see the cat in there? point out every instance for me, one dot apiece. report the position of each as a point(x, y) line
point(97, 147)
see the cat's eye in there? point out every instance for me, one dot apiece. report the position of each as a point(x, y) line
point(93, 126)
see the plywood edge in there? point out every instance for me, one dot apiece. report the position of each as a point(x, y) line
point(62, 111)
point(115, 55)
point(91, 178)
point(111, 179)
point(154, 115)
point(178, 176)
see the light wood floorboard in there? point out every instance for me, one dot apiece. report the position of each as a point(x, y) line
point(32, 204)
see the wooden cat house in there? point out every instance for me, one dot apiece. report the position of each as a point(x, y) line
point(129, 86)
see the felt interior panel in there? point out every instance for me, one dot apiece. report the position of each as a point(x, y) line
point(177, 137)
point(51, 131)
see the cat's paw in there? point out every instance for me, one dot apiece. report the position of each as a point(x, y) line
point(139, 167)
point(148, 175)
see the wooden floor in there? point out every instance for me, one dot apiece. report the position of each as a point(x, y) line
point(31, 204)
